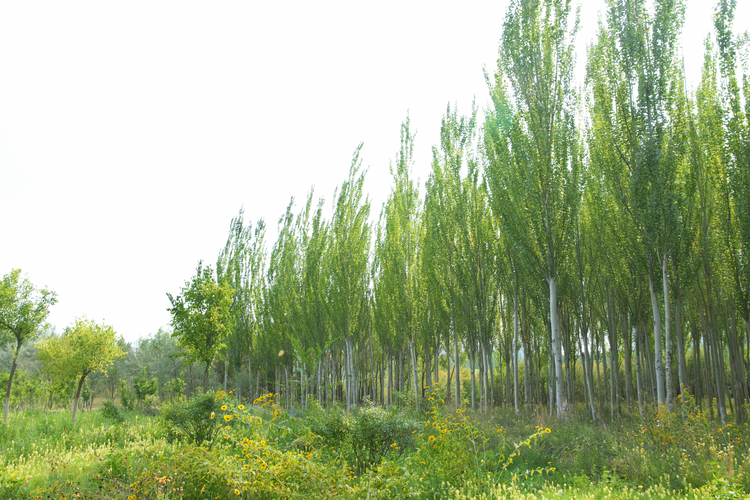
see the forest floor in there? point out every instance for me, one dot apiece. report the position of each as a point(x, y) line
point(256, 450)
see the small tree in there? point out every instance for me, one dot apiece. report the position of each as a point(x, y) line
point(23, 311)
point(201, 318)
point(82, 349)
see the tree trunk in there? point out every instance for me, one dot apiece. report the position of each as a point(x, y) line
point(638, 370)
point(612, 349)
point(457, 364)
point(587, 370)
point(437, 360)
point(226, 372)
point(472, 353)
point(10, 378)
point(667, 331)
point(77, 397)
point(389, 399)
point(658, 358)
point(556, 347)
point(627, 357)
point(514, 350)
point(447, 370)
point(698, 388)
point(682, 365)
point(414, 371)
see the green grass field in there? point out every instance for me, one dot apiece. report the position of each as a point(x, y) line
point(256, 450)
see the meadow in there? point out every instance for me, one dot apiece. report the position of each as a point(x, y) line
point(215, 446)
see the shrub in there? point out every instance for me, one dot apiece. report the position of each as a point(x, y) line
point(374, 432)
point(110, 411)
point(191, 420)
point(364, 437)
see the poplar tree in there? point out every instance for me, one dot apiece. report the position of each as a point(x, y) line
point(533, 162)
point(349, 266)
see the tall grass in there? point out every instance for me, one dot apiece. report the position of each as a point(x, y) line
point(259, 451)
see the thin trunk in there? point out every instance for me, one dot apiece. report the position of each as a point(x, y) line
point(735, 365)
point(709, 373)
point(457, 364)
point(10, 378)
point(682, 365)
point(78, 396)
point(427, 367)
point(556, 347)
point(226, 372)
point(414, 372)
point(638, 370)
point(720, 402)
point(667, 332)
point(612, 349)
point(447, 370)
point(437, 360)
point(698, 370)
point(374, 397)
point(627, 357)
point(320, 380)
point(472, 354)
point(583, 341)
point(515, 350)
point(389, 399)
point(527, 371)
point(490, 364)
point(658, 358)
point(552, 383)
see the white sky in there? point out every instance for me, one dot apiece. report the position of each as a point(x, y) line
point(132, 132)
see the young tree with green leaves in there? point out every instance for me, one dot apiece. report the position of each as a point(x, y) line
point(201, 318)
point(23, 311)
point(349, 266)
point(82, 349)
point(399, 250)
point(240, 264)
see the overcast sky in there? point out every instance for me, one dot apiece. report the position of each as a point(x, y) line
point(132, 132)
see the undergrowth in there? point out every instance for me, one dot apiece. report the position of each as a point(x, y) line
point(215, 446)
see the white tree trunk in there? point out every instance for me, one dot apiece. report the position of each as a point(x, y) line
point(660, 393)
point(667, 332)
point(556, 346)
point(514, 350)
point(414, 371)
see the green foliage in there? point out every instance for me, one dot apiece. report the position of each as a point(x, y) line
point(191, 420)
point(364, 437)
point(23, 308)
point(23, 311)
point(127, 398)
point(84, 348)
point(175, 386)
point(201, 317)
point(143, 387)
point(111, 412)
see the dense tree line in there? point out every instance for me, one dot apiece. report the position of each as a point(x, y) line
point(571, 247)
point(568, 246)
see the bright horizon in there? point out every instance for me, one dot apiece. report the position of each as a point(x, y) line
point(131, 134)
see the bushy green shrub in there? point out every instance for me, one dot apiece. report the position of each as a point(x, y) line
point(127, 398)
point(110, 411)
point(375, 431)
point(365, 436)
point(192, 420)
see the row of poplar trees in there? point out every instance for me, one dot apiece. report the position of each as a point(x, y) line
point(582, 244)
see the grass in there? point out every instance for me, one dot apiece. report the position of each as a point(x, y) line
point(261, 452)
